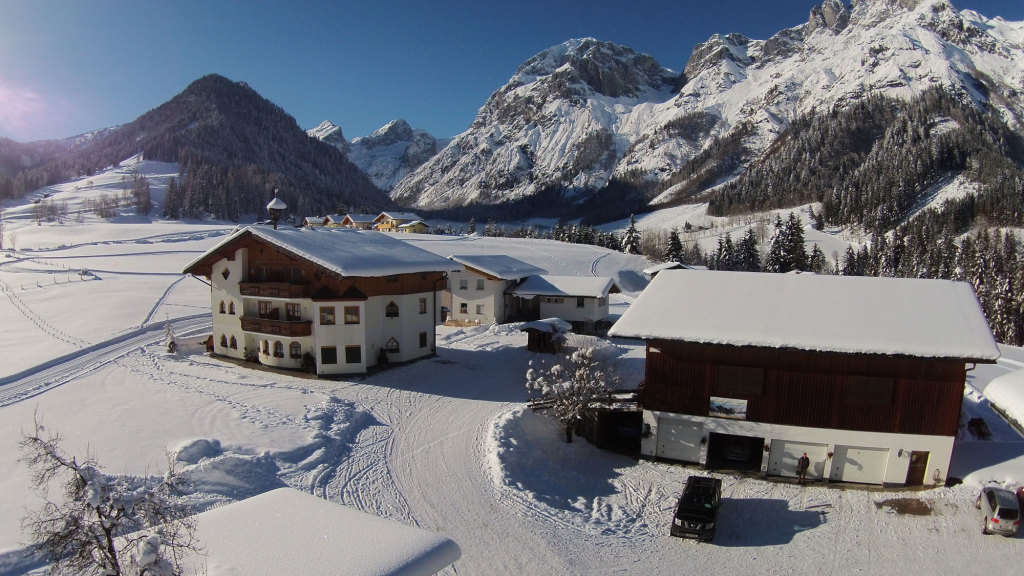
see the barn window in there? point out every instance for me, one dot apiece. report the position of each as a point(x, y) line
point(391, 310)
point(870, 390)
point(736, 381)
point(234, 343)
point(295, 350)
point(223, 341)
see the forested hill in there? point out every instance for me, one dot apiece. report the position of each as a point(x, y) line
point(234, 148)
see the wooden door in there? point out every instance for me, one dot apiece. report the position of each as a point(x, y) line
point(917, 469)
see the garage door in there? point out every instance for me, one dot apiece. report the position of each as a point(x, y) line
point(784, 454)
point(679, 440)
point(858, 464)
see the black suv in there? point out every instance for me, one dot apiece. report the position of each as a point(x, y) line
point(697, 512)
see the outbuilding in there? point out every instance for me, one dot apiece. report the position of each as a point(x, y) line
point(748, 371)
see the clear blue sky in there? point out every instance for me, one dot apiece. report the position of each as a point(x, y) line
point(70, 66)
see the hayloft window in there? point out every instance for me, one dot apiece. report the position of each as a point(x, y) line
point(351, 314)
point(295, 350)
point(392, 278)
point(327, 315)
point(739, 381)
point(870, 390)
point(353, 354)
point(391, 310)
point(328, 355)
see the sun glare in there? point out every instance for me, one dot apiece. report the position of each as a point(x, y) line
point(26, 114)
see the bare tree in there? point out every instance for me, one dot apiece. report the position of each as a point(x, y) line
point(106, 525)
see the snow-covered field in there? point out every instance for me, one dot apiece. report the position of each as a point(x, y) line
point(443, 443)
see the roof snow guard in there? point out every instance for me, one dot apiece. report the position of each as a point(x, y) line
point(344, 251)
point(842, 314)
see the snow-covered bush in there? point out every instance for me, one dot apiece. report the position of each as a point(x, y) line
point(569, 387)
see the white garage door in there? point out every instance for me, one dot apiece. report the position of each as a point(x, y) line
point(784, 454)
point(857, 464)
point(679, 440)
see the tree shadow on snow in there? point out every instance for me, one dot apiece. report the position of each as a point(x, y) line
point(744, 522)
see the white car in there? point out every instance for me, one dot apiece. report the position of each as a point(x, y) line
point(1000, 510)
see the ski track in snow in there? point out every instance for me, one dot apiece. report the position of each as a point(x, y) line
point(39, 321)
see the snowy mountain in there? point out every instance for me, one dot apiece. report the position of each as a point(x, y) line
point(585, 113)
point(387, 155)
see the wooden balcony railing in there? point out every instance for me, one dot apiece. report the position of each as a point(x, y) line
point(273, 289)
point(277, 327)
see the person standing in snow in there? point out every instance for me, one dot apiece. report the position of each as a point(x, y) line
point(802, 464)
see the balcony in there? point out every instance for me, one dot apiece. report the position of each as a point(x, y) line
point(277, 327)
point(273, 290)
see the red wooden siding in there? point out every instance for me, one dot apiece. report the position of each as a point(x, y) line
point(811, 389)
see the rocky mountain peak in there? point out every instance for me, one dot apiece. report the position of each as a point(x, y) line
point(831, 15)
point(718, 48)
point(388, 134)
point(327, 132)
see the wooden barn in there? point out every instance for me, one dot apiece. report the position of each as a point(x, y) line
point(748, 371)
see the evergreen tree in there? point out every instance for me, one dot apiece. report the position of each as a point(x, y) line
point(471, 227)
point(674, 251)
point(749, 259)
point(776, 259)
point(631, 239)
point(796, 252)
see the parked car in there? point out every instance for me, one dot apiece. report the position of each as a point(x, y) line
point(697, 511)
point(1000, 510)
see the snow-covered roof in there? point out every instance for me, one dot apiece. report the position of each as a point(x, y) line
point(553, 325)
point(414, 223)
point(277, 204)
point(345, 251)
point(542, 285)
point(663, 266)
point(1006, 392)
point(846, 314)
point(358, 217)
point(315, 219)
point(498, 266)
point(286, 531)
point(403, 216)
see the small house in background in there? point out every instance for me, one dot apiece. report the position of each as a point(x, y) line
point(414, 227)
point(357, 221)
point(582, 300)
point(547, 336)
point(653, 271)
point(390, 221)
point(311, 221)
point(341, 300)
point(480, 292)
point(749, 371)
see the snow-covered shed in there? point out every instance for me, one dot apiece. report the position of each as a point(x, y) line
point(285, 531)
point(865, 375)
point(578, 299)
point(338, 299)
point(547, 335)
point(479, 292)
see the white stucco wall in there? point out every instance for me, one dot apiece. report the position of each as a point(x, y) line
point(491, 298)
point(567, 309)
point(899, 445)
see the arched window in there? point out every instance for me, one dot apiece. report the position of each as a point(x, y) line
point(223, 341)
point(266, 348)
point(234, 343)
point(222, 307)
point(295, 350)
point(231, 308)
point(391, 310)
point(278, 349)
